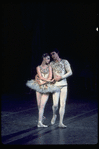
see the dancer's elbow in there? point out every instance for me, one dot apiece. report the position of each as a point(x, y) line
point(71, 73)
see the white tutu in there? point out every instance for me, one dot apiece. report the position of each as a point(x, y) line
point(45, 88)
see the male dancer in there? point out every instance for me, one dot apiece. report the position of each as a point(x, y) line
point(61, 70)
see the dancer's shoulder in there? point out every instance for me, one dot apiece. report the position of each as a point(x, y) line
point(51, 63)
point(38, 67)
point(65, 62)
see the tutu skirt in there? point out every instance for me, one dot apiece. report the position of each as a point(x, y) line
point(45, 88)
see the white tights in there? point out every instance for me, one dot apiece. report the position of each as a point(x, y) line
point(41, 102)
point(62, 95)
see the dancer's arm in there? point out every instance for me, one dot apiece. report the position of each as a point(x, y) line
point(67, 74)
point(38, 80)
point(50, 73)
point(40, 75)
point(68, 70)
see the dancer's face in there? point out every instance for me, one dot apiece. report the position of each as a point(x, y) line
point(54, 55)
point(47, 59)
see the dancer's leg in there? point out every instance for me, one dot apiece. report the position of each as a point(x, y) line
point(63, 97)
point(44, 99)
point(55, 106)
point(38, 97)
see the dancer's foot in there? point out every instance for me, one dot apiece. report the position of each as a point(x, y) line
point(53, 119)
point(62, 125)
point(41, 125)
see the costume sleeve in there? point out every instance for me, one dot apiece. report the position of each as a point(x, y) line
point(68, 69)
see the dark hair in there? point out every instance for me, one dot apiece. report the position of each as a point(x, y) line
point(45, 55)
point(54, 50)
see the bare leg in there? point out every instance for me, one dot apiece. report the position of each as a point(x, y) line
point(55, 106)
point(38, 97)
point(44, 99)
point(63, 96)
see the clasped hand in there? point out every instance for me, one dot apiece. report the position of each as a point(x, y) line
point(49, 80)
point(37, 79)
point(57, 78)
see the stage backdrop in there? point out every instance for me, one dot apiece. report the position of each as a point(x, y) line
point(31, 29)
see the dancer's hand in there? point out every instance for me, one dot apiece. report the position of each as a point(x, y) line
point(48, 80)
point(57, 78)
point(53, 80)
point(36, 78)
point(41, 83)
point(38, 81)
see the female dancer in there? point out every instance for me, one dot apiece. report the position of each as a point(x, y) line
point(43, 86)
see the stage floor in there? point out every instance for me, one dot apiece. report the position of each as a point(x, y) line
point(19, 116)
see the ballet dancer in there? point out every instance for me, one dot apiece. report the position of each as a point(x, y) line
point(43, 85)
point(61, 70)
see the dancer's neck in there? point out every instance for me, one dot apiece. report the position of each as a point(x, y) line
point(43, 64)
point(58, 59)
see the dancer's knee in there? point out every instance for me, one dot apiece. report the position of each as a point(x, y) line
point(55, 107)
point(62, 106)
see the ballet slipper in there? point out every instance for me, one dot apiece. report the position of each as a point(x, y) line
point(41, 125)
point(62, 125)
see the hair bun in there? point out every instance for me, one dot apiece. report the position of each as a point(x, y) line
point(45, 55)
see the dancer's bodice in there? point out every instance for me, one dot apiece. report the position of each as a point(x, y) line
point(44, 72)
point(59, 68)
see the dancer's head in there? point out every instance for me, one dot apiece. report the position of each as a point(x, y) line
point(46, 58)
point(54, 53)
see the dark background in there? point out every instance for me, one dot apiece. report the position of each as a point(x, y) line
point(31, 29)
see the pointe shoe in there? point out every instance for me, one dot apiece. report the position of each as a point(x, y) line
point(53, 119)
point(62, 125)
point(41, 125)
